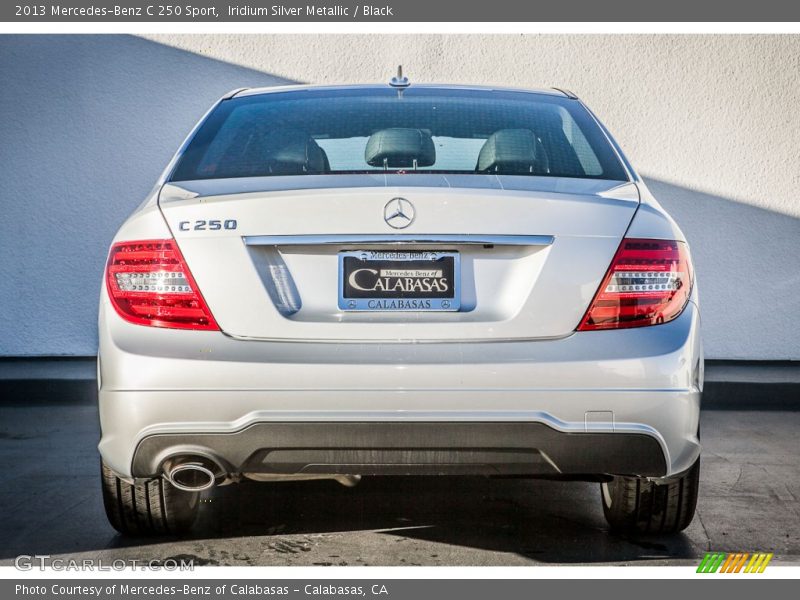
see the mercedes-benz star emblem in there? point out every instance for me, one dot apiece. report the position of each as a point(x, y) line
point(398, 213)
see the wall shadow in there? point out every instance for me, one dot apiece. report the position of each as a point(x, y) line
point(747, 268)
point(87, 124)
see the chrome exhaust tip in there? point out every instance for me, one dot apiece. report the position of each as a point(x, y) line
point(191, 474)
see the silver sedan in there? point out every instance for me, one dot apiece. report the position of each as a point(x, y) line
point(338, 282)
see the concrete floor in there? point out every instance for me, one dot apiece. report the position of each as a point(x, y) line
point(50, 502)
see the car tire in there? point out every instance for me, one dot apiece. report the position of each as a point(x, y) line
point(154, 507)
point(636, 505)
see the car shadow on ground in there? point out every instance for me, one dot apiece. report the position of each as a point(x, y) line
point(538, 521)
point(51, 492)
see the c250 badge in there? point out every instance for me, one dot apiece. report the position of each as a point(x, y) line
point(211, 225)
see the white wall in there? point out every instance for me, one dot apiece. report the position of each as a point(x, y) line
point(710, 121)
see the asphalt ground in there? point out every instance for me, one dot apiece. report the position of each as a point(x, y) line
point(51, 504)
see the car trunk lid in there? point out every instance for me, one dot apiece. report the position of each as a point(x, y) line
point(265, 252)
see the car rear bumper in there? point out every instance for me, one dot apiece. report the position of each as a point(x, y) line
point(408, 448)
point(605, 402)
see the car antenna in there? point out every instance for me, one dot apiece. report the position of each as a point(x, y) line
point(399, 82)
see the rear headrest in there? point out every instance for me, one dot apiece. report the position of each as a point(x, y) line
point(510, 151)
point(399, 148)
point(294, 152)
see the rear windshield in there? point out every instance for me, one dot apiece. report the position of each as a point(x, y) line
point(369, 130)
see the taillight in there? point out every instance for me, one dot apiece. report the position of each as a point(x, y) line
point(149, 284)
point(648, 283)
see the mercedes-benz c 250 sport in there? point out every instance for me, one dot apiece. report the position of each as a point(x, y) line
point(338, 282)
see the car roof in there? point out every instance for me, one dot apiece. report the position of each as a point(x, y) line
point(372, 86)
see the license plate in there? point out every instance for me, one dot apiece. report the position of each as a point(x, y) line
point(399, 280)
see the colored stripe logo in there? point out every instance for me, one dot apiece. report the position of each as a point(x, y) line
point(736, 562)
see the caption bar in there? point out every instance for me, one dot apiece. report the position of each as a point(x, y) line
point(400, 11)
